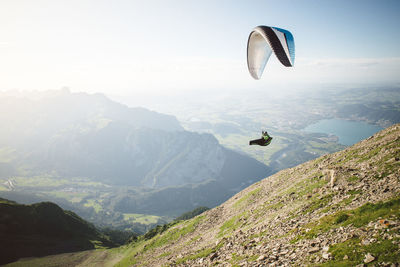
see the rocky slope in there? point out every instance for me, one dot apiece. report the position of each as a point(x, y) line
point(341, 209)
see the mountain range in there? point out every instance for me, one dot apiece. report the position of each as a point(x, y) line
point(154, 165)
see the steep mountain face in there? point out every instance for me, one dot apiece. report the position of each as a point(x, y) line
point(340, 209)
point(118, 154)
point(42, 229)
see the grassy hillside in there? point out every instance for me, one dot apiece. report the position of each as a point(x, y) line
point(42, 229)
point(341, 209)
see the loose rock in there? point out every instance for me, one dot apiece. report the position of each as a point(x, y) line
point(369, 258)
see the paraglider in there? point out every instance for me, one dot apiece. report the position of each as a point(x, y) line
point(265, 140)
point(264, 40)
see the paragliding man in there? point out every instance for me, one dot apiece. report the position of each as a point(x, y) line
point(265, 140)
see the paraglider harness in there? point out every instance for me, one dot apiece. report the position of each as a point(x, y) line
point(265, 140)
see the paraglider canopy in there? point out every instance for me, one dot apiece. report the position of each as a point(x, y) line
point(264, 40)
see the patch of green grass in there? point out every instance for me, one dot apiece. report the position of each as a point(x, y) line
point(158, 230)
point(387, 168)
point(236, 259)
point(192, 240)
point(319, 160)
point(97, 244)
point(132, 256)
point(348, 155)
point(307, 185)
point(165, 254)
point(382, 250)
point(232, 224)
point(354, 192)
point(370, 212)
point(385, 250)
point(253, 258)
point(317, 203)
point(259, 234)
point(40, 181)
point(94, 204)
point(353, 178)
point(86, 182)
point(274, 206)
point(357, 217)
point(341, 218)
point(200, 253)
point(74, 197)
point(141, 218)
point(174, 233)
point(351, 248)
point(368, 155)
point(247, 198)
point(344, 203)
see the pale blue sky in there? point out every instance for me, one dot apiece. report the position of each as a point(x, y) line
point(157, 47)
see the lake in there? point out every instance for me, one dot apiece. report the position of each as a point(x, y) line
point(349, 132)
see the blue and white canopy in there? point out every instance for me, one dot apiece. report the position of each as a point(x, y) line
point(264, 40)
